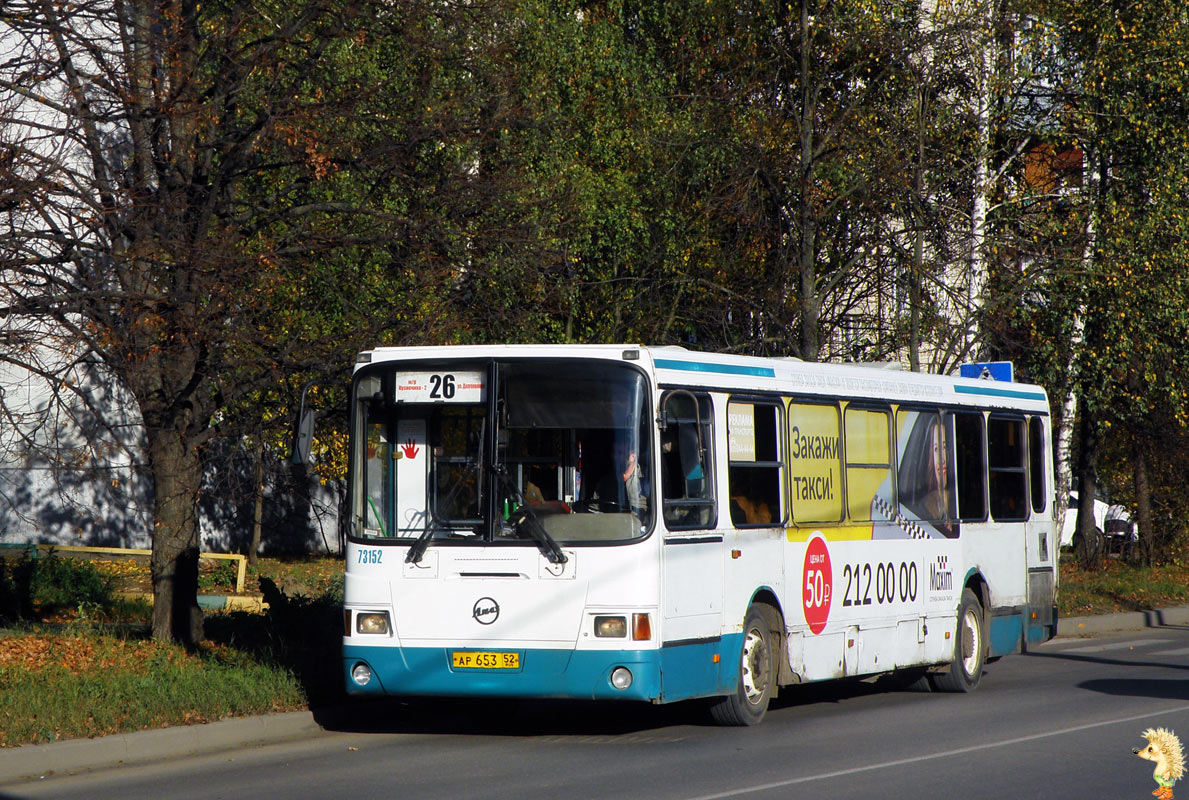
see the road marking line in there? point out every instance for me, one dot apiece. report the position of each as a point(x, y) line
point(1100, 648)
point(1180, 651)
point(943, 754)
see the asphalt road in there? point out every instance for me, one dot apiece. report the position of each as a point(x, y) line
point(1058, 722)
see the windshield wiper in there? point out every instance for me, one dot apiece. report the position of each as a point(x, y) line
point(417, 549)
point(545, 542)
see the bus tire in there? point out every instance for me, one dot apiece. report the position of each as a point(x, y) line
point(757, 673)
point(970, 649)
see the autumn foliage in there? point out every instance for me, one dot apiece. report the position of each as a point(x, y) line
point(208, 205)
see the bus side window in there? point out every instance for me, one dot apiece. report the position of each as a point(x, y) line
point(686, 457)
point(1007, 468)
point(754, 463)
point(1036, 463)
point(815, 462)
point(970, 466)
point(923, 471)
point(870, 486)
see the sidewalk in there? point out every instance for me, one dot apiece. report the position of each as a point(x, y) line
point(1124, 621)
point(20, 764)
point(29, 762)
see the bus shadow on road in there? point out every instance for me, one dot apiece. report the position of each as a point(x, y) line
point(1167, 689)
point(585, 720)
point(1105, 660)
point(1164, 688)
point(843, 689)
point(501, 717)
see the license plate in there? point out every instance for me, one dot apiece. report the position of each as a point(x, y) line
point(474, 660)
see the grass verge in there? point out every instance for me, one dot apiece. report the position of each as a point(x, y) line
point(78, 667)
point(81, 684)
point(1118, 586)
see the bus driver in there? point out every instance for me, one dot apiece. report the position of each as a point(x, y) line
point(620, 489)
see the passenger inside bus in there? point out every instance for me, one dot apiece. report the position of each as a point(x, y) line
point(620, 488)
point(744, 510)
point(747, 504)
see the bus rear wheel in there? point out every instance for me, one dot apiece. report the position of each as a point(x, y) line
point(757, 672)
point(970, 649)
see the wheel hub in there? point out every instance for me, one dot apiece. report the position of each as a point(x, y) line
point(755, 666)
point(970, 638)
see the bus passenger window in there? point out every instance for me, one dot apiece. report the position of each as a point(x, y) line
point(870, 493)
point(686, 457)
point(754, 463)
point(923, 476)
point(970, 466)
point(1037, 446)
point(815, 462)
point(1006, 468)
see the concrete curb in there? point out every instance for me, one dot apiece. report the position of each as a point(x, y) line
point(32, 761)
point(1124, 621)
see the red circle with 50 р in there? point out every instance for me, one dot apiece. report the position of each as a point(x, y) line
point(817, 584)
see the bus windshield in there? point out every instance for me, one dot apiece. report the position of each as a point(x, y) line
point(549, 450)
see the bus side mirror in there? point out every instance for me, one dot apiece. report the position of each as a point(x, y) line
point(303, 437)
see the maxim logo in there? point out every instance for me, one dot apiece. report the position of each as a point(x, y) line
point(486, 611)
point(941, 577)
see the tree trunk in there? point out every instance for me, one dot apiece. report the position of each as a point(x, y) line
point(977, 276)
point(810, 305)
point(1143, 503)
point(1064, 434)
point(1077, 339)
point(918, 240)
point(1089, 547)
point(177, 470)
point(258, 500)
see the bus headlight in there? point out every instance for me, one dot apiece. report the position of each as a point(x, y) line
point(371, 622)
point(362, 674)
point(621, 677)
point(611, 627)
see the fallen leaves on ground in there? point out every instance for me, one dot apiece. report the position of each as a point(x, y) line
point(80, 655)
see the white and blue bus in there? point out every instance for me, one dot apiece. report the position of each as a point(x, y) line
point(658, 524)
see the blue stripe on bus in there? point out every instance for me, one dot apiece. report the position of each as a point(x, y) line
point(1039, 634)
point(689, 671)
point(994, 391)
point(726, 369)
point(1008, 631)
point(1004, 634)
point(700, 668)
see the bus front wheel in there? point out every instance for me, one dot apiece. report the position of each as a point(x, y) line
point(970, 649)
point(757, 673)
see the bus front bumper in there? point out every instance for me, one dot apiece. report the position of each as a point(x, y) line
point(575, 674)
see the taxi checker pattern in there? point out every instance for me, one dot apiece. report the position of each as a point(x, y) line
point(911, 527)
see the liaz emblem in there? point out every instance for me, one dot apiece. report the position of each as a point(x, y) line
point(485, 611)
